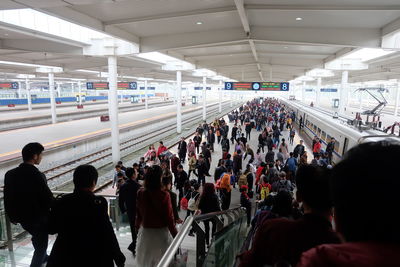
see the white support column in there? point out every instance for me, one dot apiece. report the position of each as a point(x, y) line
point(396, 103)
point(52, 98)
point(80, 92)
point(318, 92)
point(19, 90)
point(204, 98)
point(113, 108)
point(220, 97)
point(28, 94)
point(179, 101)
point(343, 92)
point(303, 92)
point(146, 105)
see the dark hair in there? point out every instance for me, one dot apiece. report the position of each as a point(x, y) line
point(84, 176)
point(135, 165)
point(208, 190)
point(166, 181)
point(129, 172)
point(239, 151)
point(30, 150)
point(120, 162)
point(180, 166)
point(152, 179)
point(283, 203)
point(353, 182)
point(120, 174)
point(161, 142)
point(228, 156)
point(117, 166)
point(313, 187)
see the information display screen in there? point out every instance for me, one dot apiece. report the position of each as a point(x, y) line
point(11, 85)
point(201, 88)
point(329, 90)
point(127, 86)
point(105, 86)
point(257, 86)
point(148, 88)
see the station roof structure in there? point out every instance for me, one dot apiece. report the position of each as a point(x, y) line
point(247, 40)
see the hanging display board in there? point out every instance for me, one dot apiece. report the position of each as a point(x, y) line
point(10, 85)
point(257, 86)
point(105, 86)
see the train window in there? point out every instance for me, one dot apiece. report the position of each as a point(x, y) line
point(328, 138)
point(337, 145)
point(323, 135)
point(319, 132)
point(315, 128)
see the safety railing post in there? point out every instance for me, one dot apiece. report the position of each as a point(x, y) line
point(10, 244)
point(200, 244)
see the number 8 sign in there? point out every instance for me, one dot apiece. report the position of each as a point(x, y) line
point(284, 86)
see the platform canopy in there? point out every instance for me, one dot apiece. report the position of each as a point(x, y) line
point(244, 40)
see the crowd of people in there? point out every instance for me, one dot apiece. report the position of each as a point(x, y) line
point(295, 197)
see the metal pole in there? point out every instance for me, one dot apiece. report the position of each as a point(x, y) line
point(28, 94)
point(52, 98)
point(113, 108)
point(220, 97)
point(318, 92)
point(145, 95)
point(179, 101)
point(204, 97)
point(396, 103)
point(343, 92)
point(80, 92)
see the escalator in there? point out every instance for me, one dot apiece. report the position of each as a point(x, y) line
point(226, 242)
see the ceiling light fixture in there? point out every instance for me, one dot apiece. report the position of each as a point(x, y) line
point(199, 23)
point(299, 19)
point(285, 47)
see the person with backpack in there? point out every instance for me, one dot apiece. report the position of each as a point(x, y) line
point(282, 184)
point(27, 200)
point(209, 202)
point(225, 144)
point(299, 149)
point(242, 179)
point(219, 170)
point(265, 188)
point(192, 198)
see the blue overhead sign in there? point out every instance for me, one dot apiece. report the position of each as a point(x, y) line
point(331, 90)
point(309, 90)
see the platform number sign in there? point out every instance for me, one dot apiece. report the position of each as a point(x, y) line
point(256, 86)
point(133, 85)
point(14, 85)
point(228, 86)
point(284, 86)
point(89, 85)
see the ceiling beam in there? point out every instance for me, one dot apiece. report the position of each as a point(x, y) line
point(171, 15)
point(322, 7)
point(39, 45)
point(340, 37)
point(391, 27)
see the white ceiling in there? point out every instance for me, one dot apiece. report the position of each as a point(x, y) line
point(262, 42)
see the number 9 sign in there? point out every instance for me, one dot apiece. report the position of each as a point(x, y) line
point(228, 86)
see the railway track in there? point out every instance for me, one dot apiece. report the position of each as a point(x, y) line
point(60, 176)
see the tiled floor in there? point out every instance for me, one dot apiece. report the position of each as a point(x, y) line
point(23, 250)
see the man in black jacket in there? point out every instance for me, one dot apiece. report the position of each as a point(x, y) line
point(27, 200)
point(182, 149)
point(180, 180)
point(85, 234)
point(197, 141)
point(127, 202)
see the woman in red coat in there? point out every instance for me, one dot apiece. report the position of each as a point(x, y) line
point(154, 220)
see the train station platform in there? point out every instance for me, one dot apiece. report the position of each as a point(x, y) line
point(23, 249)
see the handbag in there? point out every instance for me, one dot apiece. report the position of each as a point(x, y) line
point(193, 203)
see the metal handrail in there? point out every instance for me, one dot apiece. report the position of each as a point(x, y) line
point(173, 248)
point(184, 230)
